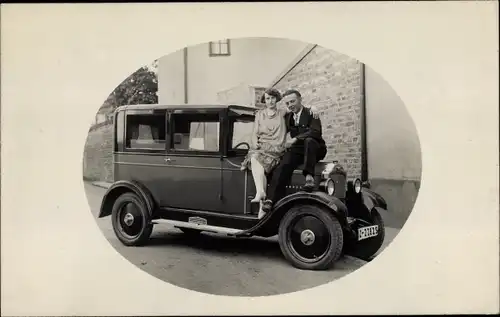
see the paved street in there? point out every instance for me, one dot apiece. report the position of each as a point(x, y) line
point(218, 264)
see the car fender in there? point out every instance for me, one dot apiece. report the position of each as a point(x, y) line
point(335, 205)
point(371, 199)
point(382, 212)
point(121, 187)
point(268, 226)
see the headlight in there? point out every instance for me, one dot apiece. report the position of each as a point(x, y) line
point(330, 187)
point(357, 186)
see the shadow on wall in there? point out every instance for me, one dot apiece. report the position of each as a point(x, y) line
point(394, 151)
point(400, 196)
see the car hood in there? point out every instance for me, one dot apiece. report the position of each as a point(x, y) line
point(317, 170)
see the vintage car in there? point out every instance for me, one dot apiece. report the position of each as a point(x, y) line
point(181, 165)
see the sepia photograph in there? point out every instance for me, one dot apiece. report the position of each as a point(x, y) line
point(252, 166)
point(249, 159)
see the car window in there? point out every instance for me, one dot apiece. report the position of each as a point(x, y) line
point(120, 130)
point(242, 132)
point(145, 131)
point(194, 132)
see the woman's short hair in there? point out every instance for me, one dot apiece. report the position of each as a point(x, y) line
point(271, 92)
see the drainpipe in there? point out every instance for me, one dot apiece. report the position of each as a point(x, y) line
point(364, 147)
point(185, 75)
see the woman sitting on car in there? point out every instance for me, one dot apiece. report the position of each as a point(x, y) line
point(267, 144)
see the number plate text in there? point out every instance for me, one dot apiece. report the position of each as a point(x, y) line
point(367, 232)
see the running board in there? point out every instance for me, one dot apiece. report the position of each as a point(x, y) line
point(208, 228)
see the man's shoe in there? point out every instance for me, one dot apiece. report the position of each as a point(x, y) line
point(267, 205)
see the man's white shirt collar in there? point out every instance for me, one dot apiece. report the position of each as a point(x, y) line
point(297, 116)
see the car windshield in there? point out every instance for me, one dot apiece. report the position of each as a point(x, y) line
point(242, 131)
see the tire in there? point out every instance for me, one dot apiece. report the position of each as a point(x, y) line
point(327, 237)
point(139, 229)
point(365, 249)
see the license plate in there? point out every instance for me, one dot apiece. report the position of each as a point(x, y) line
point(367, 232)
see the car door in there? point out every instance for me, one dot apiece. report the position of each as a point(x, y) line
point(193, 161)
point(141, 147)
point(238, 185)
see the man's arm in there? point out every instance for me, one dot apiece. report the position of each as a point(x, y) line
point(314, 131)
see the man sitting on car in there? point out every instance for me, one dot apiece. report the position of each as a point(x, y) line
point(306, 146)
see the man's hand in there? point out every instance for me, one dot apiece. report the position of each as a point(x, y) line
point(290, 142)
point(314, 112)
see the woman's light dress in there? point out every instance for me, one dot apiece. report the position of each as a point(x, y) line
point(268, 139)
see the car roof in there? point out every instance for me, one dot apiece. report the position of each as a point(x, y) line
point(213, 106)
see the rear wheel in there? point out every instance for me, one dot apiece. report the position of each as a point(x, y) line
point(367, 248)
point(310, 237)
point(131, 220)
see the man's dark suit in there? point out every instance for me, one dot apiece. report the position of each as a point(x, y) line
point(309, 149)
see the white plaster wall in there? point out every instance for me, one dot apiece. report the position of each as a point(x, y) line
point(253, 61)
point(392, 142)
point(171, 78)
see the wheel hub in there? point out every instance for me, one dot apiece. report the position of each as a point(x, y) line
point(128, 219)
point(307, 237)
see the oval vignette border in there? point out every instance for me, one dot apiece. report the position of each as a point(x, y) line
point(354, 113)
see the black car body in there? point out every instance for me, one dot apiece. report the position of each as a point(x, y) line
point(188, 174)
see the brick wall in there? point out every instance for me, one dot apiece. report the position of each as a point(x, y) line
point(97, 165)
point(332, 82)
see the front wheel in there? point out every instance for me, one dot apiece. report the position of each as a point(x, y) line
point(310, 237)
point(131, 220)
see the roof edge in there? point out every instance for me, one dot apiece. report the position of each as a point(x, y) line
point(308, 49)
point(181, 106)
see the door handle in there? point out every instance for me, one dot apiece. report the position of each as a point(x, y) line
point(168, 159)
